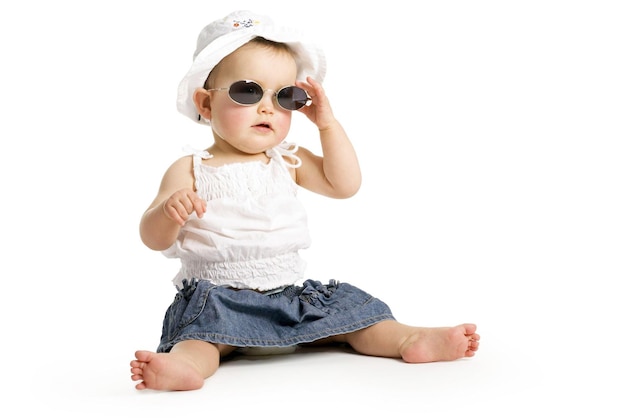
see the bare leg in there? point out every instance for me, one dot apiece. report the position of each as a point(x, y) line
point(414, 344)
point(185, 367)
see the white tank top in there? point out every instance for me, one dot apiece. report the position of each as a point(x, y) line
point(253, 227)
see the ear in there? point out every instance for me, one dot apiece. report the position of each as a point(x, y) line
point(202, 100)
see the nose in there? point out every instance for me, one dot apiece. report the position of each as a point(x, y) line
point(267, 101)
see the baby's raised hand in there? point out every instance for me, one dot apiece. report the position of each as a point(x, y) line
point(319, 111)
point(182, 204)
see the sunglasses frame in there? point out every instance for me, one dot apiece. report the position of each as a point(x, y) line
point(274, 94)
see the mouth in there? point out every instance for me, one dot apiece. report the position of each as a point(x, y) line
point(264, 125)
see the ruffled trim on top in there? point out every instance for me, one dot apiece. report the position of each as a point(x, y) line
point(260, 274)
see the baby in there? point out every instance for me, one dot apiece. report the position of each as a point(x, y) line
point(231, 215)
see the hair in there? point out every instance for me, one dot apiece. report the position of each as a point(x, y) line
point(279, 47)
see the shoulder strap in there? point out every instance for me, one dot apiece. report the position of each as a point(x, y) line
point(283, 150)
point(198, 155)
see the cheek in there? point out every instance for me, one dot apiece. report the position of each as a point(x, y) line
point(228, 118)
point(283, 125)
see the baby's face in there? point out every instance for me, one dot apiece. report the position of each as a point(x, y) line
point(258, 127)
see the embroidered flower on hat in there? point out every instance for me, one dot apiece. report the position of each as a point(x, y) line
point(245, 23)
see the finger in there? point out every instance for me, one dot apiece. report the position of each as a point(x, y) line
point(310, 88)
point(180, 213)
point(313, 82)
point(171, 213)
point(306, 86)
point(193, 202)
point(316, 86)
point(199, 206)
point(187, 205)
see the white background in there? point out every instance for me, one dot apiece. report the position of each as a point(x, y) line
point(491, 136)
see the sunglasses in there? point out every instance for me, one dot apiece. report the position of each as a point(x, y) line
point(249, 92)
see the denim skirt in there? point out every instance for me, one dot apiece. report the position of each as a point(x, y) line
point(288, 317)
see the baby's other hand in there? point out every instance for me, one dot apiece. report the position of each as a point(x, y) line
point(182, 204)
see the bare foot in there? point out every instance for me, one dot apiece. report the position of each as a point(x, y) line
point(165, 371)
point(440, 344)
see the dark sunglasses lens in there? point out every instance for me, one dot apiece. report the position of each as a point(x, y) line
point(292, 98)
point(245, 92)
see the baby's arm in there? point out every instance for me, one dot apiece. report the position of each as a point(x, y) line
point(337, 173)
point(175, 201)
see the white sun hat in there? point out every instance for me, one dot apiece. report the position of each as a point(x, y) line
point(223, 36)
